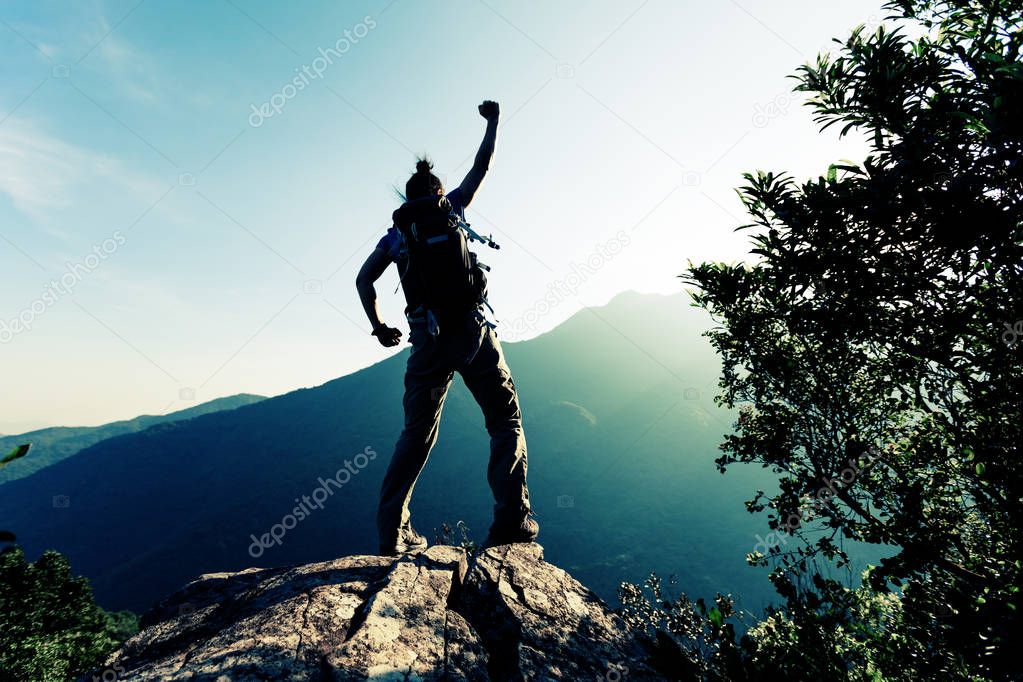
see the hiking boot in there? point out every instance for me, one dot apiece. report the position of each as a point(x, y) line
point(408, 541)
point(525, 531)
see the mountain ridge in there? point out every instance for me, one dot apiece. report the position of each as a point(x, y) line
point(144, 512)
point(55, 443)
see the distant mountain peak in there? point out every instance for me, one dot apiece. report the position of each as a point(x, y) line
point(604, 397)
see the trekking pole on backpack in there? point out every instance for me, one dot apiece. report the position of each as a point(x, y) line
point(476, 237)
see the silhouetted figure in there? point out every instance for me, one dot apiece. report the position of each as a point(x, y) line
point(445, 289)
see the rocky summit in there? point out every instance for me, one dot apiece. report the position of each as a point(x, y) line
point(505, 614)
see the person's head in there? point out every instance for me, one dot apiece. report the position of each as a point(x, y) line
point(423, 182)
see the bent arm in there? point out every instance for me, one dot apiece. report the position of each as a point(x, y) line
point(370, 272)
point(474, 178)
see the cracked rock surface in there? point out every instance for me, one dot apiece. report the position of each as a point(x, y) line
point(434, 615)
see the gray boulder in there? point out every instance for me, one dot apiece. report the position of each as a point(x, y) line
point(434, 615)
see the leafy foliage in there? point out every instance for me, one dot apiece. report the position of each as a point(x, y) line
point(690, 639)
point(18, 452)
point(50, 628)
point(852, 634)
point(880, 332)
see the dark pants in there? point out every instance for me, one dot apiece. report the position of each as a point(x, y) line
point(471, 349)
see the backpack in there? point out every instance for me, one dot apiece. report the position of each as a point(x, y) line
point(439, 274)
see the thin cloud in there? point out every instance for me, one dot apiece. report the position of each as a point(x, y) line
point(130, 69)
point(43, 175)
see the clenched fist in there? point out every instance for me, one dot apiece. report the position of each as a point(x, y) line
point(490, 110)
point(387, 336)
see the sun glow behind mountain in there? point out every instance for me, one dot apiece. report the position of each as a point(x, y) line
point(228, 243)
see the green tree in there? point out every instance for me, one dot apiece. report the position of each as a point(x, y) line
point(880, 332)
point(50, 628)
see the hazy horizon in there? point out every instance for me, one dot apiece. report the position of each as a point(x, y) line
point(213, 249)
point(213, 398)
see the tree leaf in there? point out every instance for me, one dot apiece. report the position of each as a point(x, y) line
point(17, 453)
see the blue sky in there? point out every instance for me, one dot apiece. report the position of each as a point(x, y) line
point(199, 250)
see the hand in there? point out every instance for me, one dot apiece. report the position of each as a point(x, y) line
point(387, 336)
point(490, 110)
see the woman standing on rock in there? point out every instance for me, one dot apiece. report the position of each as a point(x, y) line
point(445, 289)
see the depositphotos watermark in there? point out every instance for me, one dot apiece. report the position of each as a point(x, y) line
point(305, 506)
point(616, 672)
point(311, 72)
point(1013, 333)
point(111, 674)
point(763, 114)
point(559, 290)
point(821, 500)
point(63, 286)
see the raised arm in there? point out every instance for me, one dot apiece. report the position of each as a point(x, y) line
point(364, 281)
point(474, 178)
